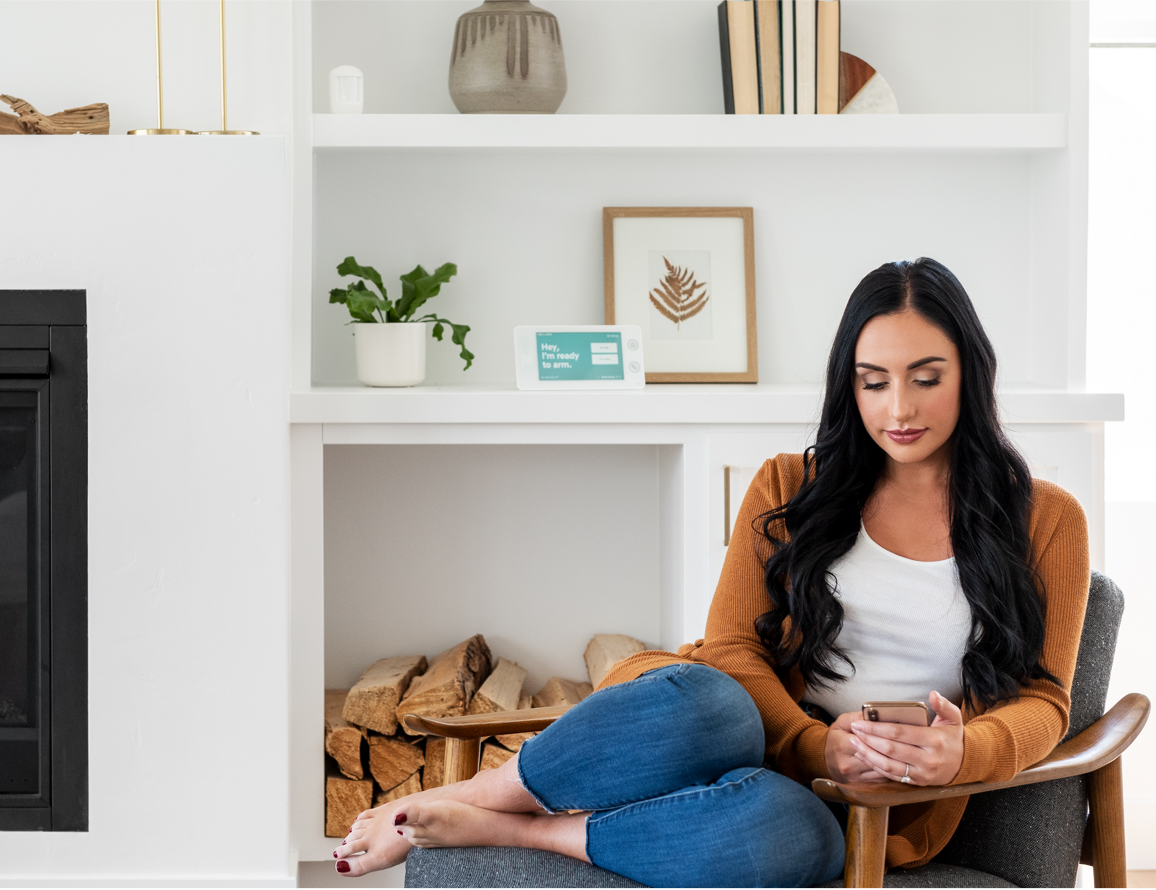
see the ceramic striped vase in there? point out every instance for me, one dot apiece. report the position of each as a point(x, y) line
point(507, 59)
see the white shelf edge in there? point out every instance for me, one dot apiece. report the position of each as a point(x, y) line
point(1007, 132)
point(733, 404)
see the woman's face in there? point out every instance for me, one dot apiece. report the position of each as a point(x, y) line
point(907, 378)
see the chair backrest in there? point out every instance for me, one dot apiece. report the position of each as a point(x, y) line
point(1032, 835)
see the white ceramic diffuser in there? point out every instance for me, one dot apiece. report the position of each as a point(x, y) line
point(346, 90)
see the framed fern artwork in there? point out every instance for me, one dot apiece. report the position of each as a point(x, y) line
point(686, 276)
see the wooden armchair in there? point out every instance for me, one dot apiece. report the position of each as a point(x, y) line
point(1003, 821)
point(1095, 752)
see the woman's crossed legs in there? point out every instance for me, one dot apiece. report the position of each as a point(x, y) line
point(666, 771)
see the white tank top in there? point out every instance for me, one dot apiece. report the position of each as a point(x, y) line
point(905, 628)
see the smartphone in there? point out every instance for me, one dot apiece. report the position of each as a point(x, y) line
point(912, 713)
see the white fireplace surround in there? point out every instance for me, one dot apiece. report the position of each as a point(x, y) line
point(181, 246)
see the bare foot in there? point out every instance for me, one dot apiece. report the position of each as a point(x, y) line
point(450, 823)
point(374, 841)
point(374, 837)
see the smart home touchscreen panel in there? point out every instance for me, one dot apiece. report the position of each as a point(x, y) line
point(586, 357)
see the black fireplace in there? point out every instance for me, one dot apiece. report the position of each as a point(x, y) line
point(43, 561)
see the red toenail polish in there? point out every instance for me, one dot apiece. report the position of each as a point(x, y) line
point(334, 854)
point(343, 866)
point(399, 819)
point(343, 843)
point(399, 831)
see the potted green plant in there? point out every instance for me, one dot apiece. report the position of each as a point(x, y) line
point(388, 340)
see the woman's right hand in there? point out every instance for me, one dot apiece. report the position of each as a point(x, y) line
point(842, 763)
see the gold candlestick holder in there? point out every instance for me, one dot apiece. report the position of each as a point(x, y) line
point(225, 131)
point(159, 129)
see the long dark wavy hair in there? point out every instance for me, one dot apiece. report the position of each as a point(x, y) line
point(989, 495)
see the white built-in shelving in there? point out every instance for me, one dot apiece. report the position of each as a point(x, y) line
point(674, 404)
point(910, 132)
point(608, 507)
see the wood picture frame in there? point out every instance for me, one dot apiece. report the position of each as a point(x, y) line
point(719, 342)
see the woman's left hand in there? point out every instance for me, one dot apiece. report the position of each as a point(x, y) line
point(933, 752)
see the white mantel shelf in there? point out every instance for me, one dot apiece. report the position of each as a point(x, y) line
point(907, 132)
point(685, 404)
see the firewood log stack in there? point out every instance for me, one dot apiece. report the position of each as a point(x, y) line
point(372, 760)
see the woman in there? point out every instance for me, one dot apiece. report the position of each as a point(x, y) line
point(909, 555)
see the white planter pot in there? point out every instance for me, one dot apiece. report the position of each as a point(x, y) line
point(390, 354)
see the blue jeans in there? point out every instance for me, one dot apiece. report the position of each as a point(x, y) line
point(670, 764)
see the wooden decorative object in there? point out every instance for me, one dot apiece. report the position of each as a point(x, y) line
point(373, 700)
point(706, 334)
point(412, 785)
point(392, 761)
point(342, 741)
point(561, 692)
point(862, 89)
point(606, 650)
point(514, 740)
point(344, 800)
point(494, 756)
point(90, 119)
point(501, 691)
point(445, 690)
point(435, 761)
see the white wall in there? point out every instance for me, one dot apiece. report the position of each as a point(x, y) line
point(1121, 288)
point(426, 545)
point(1121, 296)
point(181, 244)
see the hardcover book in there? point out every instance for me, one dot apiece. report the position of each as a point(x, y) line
point(805, 55)
point(770, 60)
point(787, 53)
point(736, 22)
point(827, 60)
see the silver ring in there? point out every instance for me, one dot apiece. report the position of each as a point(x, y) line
point(906, 780)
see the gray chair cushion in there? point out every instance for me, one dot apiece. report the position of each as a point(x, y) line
point(936, 874)
point(504, 867)
point(515, 867)
point(1019, 837)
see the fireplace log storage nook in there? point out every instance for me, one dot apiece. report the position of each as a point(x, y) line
point(43, 561)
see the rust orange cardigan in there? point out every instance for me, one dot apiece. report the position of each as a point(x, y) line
point(997, 743)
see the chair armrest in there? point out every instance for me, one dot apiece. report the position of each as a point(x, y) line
point(1099, 744)
point(478, 726)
